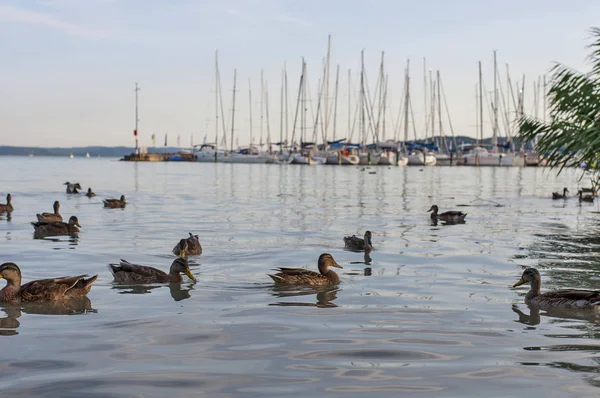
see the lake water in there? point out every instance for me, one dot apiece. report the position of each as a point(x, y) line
point(431, 313)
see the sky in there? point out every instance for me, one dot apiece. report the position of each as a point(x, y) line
point(69, 67)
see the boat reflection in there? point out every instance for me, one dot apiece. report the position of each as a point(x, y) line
point(179, 291)
point(324, 295)
point(10, 323)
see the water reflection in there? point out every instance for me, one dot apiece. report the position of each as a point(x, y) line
point(533, 317)
point(71, 238)
point(179, 290)
point(6, 216)
point(324, 296)
point(10, 323)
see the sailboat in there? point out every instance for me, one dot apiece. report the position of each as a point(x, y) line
point(210, 152)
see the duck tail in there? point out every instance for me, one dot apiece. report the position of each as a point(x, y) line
point(113, 268)
point(276, 278)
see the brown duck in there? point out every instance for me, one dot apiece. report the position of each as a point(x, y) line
point(57, 227)
point(44, 289)
point(556, 195)
point(72, 188)
point(355, 243)
point(576, 299)
point(7, 208)
point(455, 216)
point(51, 217)
point(115, 203)
point(90, 193)
point(586, 198)
point(301, 276)
point(125, 272)
point(193, 245)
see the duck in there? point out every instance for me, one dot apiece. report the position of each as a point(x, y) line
point(556, 195)
point(51, 217)
point(57, 227)
point(564, 299)
point(63, 288)
point(72, 188)
point(90, 193)
point(585, 198)
point(591, 191)
point(355, 243)
point(115, 203)
point(7, 208)
point(301, 276)
point(126, 272)
point(455, 216)
point(193, 245)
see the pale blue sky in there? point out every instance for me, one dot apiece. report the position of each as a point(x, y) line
point(69, 66)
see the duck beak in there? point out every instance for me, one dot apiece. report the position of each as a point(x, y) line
point(336, 265)
point(519, 283)
point(431, 208)
point(79, 225)
point(182, 253)
point(1, 276)
point(190, 275)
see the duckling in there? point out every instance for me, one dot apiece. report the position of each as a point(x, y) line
point(301, 276)
point(355, 243)
point(7, 208)
point(89, 193)
point(115, 203)
point(72, 188)
point(193, 245)
point(556, 195)
point(585, 198)
point(57, 227)
point(44, 289)
point(455, 216)
point(566, 299)
point(125, 272)
point(51, 217)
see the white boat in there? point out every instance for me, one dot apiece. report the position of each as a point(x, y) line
point(480, 156)
point(420, 158)
point(208, 153)
point(244, 157)
point(87, 155)
point(443, 159)
point(347, 159)
point(71, 155)
point(369, 158)
point(402, 160)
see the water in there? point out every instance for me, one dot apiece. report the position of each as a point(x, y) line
point(431, 314)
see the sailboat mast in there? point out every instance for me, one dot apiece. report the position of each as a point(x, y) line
point(544, 99)
point(335, 105)
point(407, 99)
point(349, 101)
point(281, 112)
point(385, 87)
point(439, 98)
point(262, 85)
point(266, 95)
point(326, 109)
point(425, 116)
point(250, 114)
point(480, 103)
point(303, 102)
point(495, 107)
point(287, 125)
point(216, 99)
point(233, 108)
point(362, 97)
point(137, 119)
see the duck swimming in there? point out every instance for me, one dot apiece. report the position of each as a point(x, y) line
point(193, 245)
point(63, 288)
point(301, 276)
point(72, 188)
point(115, 203)
point(51, 217)
point(57, 227)
point(556, 195)
point(89, 193)
point(565, 299)
point(125, 272)
point(355, 243)
point(586, 198)
point(7, 208)
point(455, 216)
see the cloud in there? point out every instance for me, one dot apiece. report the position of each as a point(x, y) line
point(289, 19)
point(13, 14)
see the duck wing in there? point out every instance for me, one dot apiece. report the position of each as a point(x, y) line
point(298, 276)
point(574, 294)
point(47, 289)
point(49, 217)
point(354, 242)
point(128, 272)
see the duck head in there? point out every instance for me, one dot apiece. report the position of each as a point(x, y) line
point(325, 261)
point(11, 272)
point(180, 265)
point(529, 275)
point(74, 221)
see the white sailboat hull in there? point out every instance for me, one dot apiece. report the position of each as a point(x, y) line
point(421, 159)
point(402, 161)
point(347, 160)
point(366, 158)
point(209, 156)
point(492, 160)
point(242, 158)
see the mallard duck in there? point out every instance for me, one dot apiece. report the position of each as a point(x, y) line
point(585, 198)
point(556, 195)
point(125, 272)
point(115, 203)
point(7, 208)
point(301, 276)
point(591, 191)
point(193, 246)
point(68, 287)
point(447, 216)
point(51, 217)
point(57, 227)
point(566, 299)
point(89, 193)
point(72, 188)
point(355, 243)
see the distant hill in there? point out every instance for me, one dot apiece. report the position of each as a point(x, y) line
point(94, 151)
